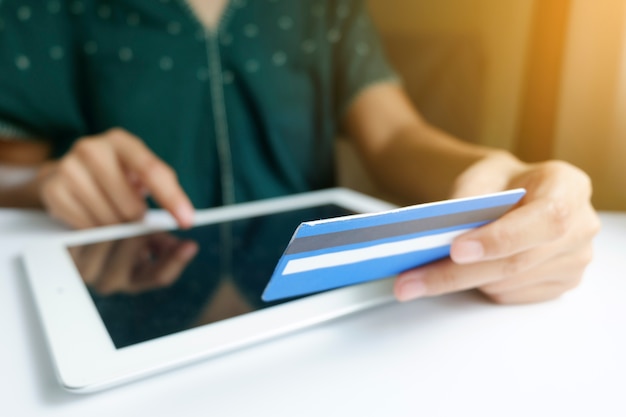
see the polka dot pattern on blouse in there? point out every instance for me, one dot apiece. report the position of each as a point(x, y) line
point(251, 30)
point(261, 94)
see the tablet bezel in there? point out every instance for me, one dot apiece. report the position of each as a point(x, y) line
point(83, 353)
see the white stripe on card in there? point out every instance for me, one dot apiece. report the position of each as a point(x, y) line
point(351, 256)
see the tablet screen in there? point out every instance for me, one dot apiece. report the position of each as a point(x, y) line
point(149, 286)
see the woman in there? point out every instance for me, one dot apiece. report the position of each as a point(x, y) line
point(216, 102)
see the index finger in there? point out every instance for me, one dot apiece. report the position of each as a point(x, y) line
point(159, 178)
point(539, 222)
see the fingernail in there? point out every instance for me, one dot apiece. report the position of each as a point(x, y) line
point(467, 251)
point(412, 288)
point(184, 213)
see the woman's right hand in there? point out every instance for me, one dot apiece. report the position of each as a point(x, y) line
point(104, 180)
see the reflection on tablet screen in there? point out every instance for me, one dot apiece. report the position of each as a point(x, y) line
point(153, 285)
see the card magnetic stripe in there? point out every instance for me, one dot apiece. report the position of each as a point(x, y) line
point(330, 239)
point(323, 259)
point(352, 257)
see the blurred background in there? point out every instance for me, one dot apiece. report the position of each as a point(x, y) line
point(542, 78)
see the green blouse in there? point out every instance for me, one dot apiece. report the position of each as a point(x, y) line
point(245, 111)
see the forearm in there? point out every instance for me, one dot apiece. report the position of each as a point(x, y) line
point(421, 163)
point(406, 156)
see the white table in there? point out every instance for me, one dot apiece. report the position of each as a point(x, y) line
point(456, 355)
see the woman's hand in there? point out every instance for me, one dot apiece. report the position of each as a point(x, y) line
point(104, 180)
point(536, 252)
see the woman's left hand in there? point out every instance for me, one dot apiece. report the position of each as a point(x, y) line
point(536, 252)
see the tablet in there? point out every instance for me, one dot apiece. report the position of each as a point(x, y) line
point(124, 302)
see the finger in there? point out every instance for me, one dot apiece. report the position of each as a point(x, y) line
point(533, 294)
point(87, 191)
point(163, 244)
point(156, 248)
point(136, 184)
point(158, 177)
point(99, 157)
point(120, 266)
point(62, 205)
point(479, 179)
point(538, 222)
point(567, 267)
point(446, 276)
point(169, 268)
point(92, 261)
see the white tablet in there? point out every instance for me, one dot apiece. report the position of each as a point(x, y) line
point(123, 302)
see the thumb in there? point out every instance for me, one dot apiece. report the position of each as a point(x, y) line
point(489, 175)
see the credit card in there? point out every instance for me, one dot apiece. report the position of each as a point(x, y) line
point(348, 250)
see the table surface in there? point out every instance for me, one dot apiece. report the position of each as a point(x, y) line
point(447, 356)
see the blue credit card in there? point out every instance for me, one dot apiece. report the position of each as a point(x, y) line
point(348, 250)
